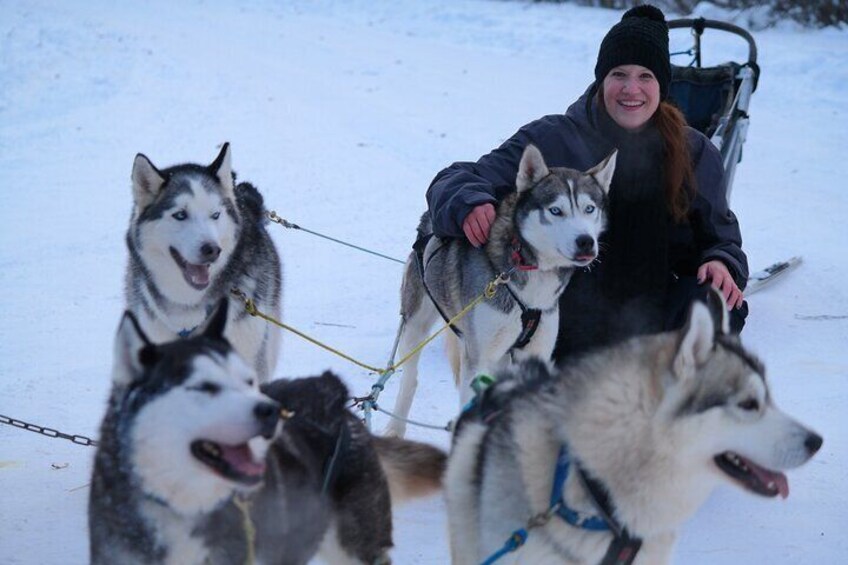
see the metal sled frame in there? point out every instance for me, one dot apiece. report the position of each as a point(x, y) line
point(727, 88)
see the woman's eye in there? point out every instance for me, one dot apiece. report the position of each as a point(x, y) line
point(554, 210)
point(216, 215)
point(180, 215)
point(589, 209)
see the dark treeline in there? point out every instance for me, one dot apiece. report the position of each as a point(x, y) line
point(811, 13)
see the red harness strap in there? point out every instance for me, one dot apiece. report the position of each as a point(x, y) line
point(517, 259)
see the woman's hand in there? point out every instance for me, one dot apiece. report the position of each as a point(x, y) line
point(477, 224)
point(716, 272)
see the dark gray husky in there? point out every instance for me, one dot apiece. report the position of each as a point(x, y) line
point(195, 466)
point(544, 230)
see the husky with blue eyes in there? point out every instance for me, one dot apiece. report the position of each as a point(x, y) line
point(543, 231)
point(193, 236)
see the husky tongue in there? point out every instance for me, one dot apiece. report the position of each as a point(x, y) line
point(199, 274)
point(241, 459)
point(770, 478)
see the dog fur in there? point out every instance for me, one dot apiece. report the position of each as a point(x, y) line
point(552, 222)
point(194, 235)
point(186, 437)
point(658, 420)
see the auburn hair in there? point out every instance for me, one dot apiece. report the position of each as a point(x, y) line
point(679, 176)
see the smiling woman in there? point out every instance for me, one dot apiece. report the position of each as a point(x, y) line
point(669, 226)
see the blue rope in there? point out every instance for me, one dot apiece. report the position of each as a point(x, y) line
point(515, 541)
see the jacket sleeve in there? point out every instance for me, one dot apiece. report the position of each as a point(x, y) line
point(717, 234)
point(459, 188)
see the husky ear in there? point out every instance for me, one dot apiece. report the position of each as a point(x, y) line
point(696, 342)
point(147, 181)
point(718, 310)
point(531, 169)
point(222, 168)
point(217, 322)
point(603, 171)
point(133, 351)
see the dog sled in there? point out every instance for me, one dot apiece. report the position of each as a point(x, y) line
point(715, 101)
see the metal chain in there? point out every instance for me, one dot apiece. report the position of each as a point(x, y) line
point(49, 432)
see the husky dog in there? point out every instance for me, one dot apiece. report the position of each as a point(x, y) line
point(617, 449)
point(544, 230)
point(193, 236)
point(184, 431)
point(327, 460)
point(185, 473)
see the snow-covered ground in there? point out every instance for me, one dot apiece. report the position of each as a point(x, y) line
point(341, 113)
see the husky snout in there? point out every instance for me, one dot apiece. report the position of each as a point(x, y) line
point(585, 246)
point(209, 252)
point(813, 443)
point(267, 414)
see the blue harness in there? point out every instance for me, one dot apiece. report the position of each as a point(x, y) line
point(622, 549)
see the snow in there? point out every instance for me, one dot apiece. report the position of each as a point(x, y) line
point(341, 113)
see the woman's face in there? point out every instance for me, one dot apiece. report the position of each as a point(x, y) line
point(631, 96)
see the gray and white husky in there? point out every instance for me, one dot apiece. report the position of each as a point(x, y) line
point(185, 472)
point(639, 433)
point(185, 429)
point(544, 230)
point(193, 236)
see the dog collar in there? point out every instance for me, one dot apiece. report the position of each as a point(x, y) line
point(186, 332)
point(518, 259)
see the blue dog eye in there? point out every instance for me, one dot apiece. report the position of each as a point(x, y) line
point(180, 215)
point(555, 211)
point(216, 215)
point(589, 209)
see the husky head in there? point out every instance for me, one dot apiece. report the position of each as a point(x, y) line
point(195, 425)
point(185, 223)
point(717, 391)
point(561, 212)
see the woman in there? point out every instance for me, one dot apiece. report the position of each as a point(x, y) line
point(669, 226)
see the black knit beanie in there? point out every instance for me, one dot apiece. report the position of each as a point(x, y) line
point(640, 38)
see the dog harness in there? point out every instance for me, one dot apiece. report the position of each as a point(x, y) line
point(529, 316)
point(622, 549)
point(186, 332)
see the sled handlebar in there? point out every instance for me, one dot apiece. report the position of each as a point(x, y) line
point(698, 26)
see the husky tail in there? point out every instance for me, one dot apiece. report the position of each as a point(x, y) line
point(413, 469)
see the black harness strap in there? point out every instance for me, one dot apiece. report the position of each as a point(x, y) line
point(529, 321)
point(623, 548)
point(332, 467)
point(419, 246)
point(529, 316)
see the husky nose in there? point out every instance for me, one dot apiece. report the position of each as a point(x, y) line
point(267, 413)
point(585, 244)
point(813, 442)
point(209, 252)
